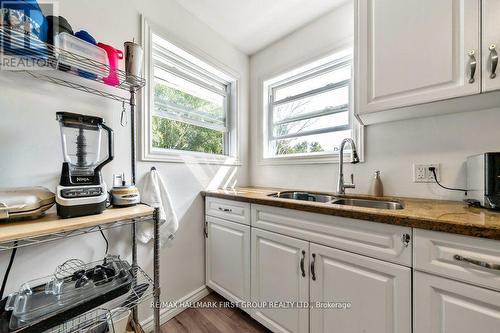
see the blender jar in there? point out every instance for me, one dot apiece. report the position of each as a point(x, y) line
point(81, 142)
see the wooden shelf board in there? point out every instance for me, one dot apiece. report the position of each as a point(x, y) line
point(51, 223)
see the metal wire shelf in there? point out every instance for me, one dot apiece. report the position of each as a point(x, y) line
point(45, 59)
point(29, 241)
point(99, 318)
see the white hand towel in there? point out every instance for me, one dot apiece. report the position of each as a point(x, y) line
point(154, 193)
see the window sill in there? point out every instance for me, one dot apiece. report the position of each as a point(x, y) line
point(305, 159)
point(188, 157)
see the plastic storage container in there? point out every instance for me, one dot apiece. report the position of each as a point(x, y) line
point(49, 301)
point(84, 49)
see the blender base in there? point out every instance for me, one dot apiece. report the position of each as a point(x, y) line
point(80, 210)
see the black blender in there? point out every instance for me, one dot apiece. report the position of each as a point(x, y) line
point(81, 190)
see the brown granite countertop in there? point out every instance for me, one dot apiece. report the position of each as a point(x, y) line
point(438, 215)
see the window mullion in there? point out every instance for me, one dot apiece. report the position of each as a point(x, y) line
point(317, 91)
point(187, 65)
point(315, 114)
point(313, 132)
point(313, 73)
point(190, 78)
point(173, 116)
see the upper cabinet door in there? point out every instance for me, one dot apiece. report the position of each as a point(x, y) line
point(491, 44)
point(416, 51)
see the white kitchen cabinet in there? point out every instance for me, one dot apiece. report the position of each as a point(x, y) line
point(415, 51)
point(280, 274)
point(228, 258)
point(379, 293)
point(490, 44)
point(446, 306)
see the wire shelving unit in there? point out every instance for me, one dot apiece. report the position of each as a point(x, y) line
point(17, 45)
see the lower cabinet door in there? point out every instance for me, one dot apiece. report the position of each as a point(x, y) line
point(446, 306)
point(356, 294)
point(228, 259)
point(280, 274)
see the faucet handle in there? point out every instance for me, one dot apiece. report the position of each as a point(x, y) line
point(351, 185)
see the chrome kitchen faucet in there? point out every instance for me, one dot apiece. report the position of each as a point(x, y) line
point(341, 186)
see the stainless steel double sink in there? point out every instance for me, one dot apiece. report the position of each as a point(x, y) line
point(341, 200)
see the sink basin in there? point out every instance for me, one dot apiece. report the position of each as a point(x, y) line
point(345, 201)
point(304, 196)
point(369, 203)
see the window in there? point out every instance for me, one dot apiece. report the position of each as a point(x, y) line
point(191, 104)
point(308, 110)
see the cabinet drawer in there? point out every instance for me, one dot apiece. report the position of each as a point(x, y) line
point(435, 252)
point(228, 209)
point(376, 240)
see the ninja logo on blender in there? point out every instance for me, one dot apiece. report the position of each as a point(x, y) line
point(26, 35)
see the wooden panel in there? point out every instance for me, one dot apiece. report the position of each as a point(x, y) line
point(277, 277)
point(376, 240)
point(379, 293)
point(51, 223)
point(228, 259)
point(435, 251)
point(446, 306)
point(228, 209)
point(415, 51)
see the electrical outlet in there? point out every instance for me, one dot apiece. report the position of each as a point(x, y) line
point(422, 174)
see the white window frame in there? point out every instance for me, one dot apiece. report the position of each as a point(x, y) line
point(231, 142)
point(266, 96)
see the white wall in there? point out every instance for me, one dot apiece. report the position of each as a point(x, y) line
point(391, 148)
point(30, 148)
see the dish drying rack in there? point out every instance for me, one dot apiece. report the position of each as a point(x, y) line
point(124, 92)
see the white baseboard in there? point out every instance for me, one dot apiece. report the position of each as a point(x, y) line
point(169, 313)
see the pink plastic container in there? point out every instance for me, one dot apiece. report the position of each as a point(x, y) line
point(114, 56)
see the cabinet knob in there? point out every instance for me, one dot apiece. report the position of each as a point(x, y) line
point(406, 239)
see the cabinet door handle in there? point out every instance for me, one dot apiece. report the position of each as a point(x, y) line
point(484, 264)
point(472, 65)
point(226, 210)
point(313, 269)
point(302, 263)
point(493, 60)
